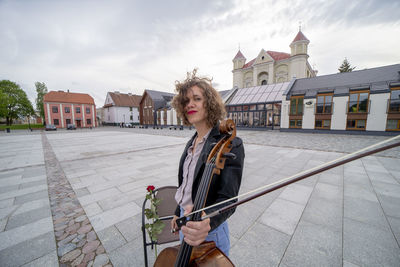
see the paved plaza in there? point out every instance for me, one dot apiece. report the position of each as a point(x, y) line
point(346, 216)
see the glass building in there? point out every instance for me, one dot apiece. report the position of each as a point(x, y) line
point(258, 106)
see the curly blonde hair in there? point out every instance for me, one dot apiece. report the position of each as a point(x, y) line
point(213, 102)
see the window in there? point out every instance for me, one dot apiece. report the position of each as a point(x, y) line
point(87, 110)
point(322, 124)
point(54, 109)
point(324, 104)
point(295, 123)
point(131, 117)
point(68, 121)
point(394, 101)
point(130, 108)
point(393, 125)
point(296, 105)
point(67, 110)
point(89, 121)
point(78, 110)
point(56, 122)
point(264, 82)
point(358, 102)
point(356, 124)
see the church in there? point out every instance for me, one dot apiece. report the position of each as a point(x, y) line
point(271, 67)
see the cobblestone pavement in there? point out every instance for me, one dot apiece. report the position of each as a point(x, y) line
point(77, 242)
point(348, 216)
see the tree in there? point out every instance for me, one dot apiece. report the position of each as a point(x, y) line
point(15, 102)
point(41, 90)
point(346, 67)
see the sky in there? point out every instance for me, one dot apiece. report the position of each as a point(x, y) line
point(128, 46)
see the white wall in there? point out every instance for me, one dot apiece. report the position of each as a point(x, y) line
point(285, 113)
point(309, 116)
point(377, 116)
point(338, 120)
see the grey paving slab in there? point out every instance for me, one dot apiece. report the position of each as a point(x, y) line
point(28, 217)
point(324, 212)
point(297, 193)
point(113, 216)
point(395, 226)
point(31, 197)
point(49, 259)
point(390, 205)
point(22, 192)
point(25, 232)
point(6, 203)
point(314, 245)
point(29, 251)
point(128, 254)
point(282, 215)
point(260, 246)
point(365, 211)
point(129, 227)
point(111, 238)
point(367, 245)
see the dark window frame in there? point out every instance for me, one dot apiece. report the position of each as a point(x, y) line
point(54, 109)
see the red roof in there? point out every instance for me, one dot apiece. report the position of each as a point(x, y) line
point(300, 37)
point(249, 64)
point(275, 56)
point(278, 55)
point(67, 97)
point(239, 55)
point(125, 100)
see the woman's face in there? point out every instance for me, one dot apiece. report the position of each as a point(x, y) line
point(195, 111)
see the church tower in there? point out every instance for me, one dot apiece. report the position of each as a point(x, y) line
point(299, 45)
point(299, 56)
point(238, 62)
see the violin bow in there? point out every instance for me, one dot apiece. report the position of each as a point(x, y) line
point(300, 176)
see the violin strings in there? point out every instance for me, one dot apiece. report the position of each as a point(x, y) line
point(295, 175)
point(185, 252)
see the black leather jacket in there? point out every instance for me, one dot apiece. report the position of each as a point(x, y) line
point(223, 186)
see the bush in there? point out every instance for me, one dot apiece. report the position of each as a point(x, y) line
point(21, 126)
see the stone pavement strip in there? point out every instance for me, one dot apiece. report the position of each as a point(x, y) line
point(77, 242)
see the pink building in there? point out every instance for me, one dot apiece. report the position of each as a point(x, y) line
point(63, 108)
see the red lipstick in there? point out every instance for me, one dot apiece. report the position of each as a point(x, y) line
point(190, 112)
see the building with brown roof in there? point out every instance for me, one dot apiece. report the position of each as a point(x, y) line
point(121, 108)
point(63, 108)
point(273, 67)
point(154, 106)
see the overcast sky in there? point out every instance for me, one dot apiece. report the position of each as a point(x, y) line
point(99, 46)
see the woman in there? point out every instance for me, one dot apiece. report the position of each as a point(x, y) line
point(200, 105)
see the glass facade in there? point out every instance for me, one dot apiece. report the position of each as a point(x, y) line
point(258, 106)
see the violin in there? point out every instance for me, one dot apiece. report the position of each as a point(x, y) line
point(206, 254)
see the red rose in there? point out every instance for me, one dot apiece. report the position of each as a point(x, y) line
point(150, 188)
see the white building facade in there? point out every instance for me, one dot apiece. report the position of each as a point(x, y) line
point(359, 101)
point(121, 108)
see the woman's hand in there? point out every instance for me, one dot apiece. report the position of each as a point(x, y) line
point(174, 226)
point(195, 232)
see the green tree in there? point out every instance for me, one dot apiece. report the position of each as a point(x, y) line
point(15, 103)
point(41, 90)
point(346, 67)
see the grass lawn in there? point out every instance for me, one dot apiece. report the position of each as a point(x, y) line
point(21, 126)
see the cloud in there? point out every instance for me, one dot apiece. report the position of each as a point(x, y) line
point(99, 46)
